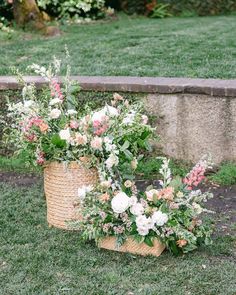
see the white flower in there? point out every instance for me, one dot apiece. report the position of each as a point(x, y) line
point(96, 143)
point(137, 209)
point(65, 134)
point(55, 113)
point(120, 203)
point(112, 160)
point(82, 191)
point(71, 112)
point(99, 116)
point(144, 224)
point(133, 200)
point(197, 208)
point(28, 103)
point(111, 111)
point(144, 119)
point(159, 218)
point(106, 183)
point(134, 163)
point(55, 101)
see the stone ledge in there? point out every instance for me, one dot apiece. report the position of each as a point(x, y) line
point(212, 87)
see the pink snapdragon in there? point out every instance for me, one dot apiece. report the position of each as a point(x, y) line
point(31, 137)
point(56, 89)
point(196, 175)
point(100, 127)
point(40, 160)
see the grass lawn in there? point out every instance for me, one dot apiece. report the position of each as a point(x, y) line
point(39, 260)
point(174, 47)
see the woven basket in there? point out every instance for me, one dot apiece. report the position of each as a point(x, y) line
point(132, 246)
point(61, 183)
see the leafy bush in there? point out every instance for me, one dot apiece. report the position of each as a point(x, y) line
point(72, 8)
point(201, 8)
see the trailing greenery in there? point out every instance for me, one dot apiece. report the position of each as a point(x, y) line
point(170, 47)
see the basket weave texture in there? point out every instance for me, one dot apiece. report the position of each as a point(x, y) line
point(132, 246)
point(61, 183)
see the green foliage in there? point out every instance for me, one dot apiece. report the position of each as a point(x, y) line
point(201, 8)
point(226, 174)
point(134, 6)
point(149, 168)
point(161, 11)
point(73, 8)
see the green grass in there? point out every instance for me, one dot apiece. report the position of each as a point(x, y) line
point(173, 47)
point(149, 168)
point(35, 259)
point(226, 175)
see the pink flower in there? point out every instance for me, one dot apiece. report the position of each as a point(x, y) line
point(31, 137)
point(74, 124)
point(40, 160)
point(56, 89)
point(144, 119)
point(196, 175)
point(96, 143)
point(119, 229)
point(80, 139)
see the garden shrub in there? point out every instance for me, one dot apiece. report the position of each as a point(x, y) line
point(201, 8)
point(73, 8)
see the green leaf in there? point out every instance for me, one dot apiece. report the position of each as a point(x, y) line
point(176, 183)
point(57, 141)
point(148, 241)
point(125, 146)
point(128, 155)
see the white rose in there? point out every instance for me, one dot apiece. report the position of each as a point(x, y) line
point(112, 160)
point(111, 111)
point(133, 200)
point(143, 231)
point(55, 101)
point(65, 134)
point(137, 209)
point(159, 218)
point(82, 191)
point(99, 116)
point(28, 103)
point(120, 203)
point(55, 113)
point(144, 224)
point(71, 112)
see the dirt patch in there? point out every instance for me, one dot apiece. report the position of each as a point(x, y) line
point(19, 179)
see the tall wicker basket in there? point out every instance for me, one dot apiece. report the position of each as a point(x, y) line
point(131, 246)
point(61, 183)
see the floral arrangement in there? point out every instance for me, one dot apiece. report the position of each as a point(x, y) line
point(170, 213)
point(51, 129)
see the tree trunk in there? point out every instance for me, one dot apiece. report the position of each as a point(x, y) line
point(26, 12)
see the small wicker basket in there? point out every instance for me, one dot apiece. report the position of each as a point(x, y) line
point(132, 246)
point(61, 183)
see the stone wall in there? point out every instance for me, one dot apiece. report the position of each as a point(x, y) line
point(193, 125)
point(194, 116)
